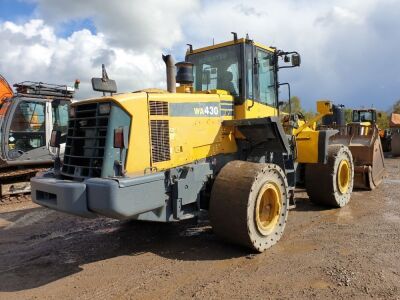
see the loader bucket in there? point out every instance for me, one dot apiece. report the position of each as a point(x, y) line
point(365, 146)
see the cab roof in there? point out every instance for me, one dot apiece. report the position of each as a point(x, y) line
point(229, 43)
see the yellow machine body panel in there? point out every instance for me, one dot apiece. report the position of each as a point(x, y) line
point(307, 146)
point(190, 127)
point(307, 137)
point(253, 109)
point(195, 127)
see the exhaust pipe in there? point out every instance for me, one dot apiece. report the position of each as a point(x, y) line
point(170, 66)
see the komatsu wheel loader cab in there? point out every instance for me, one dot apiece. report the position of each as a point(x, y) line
point(215, 142)
point(27, 119)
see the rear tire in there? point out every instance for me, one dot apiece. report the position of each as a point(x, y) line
point(331, 184)
point(249, 204)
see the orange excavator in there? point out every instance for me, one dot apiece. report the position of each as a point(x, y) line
point(6, 91)
point(27, 118)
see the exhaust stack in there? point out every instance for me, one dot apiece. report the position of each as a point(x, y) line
point(170, 66)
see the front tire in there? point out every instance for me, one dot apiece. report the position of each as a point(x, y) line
point(331, 184)
point(249, 204)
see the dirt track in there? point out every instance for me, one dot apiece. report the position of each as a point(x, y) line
point(353, 252)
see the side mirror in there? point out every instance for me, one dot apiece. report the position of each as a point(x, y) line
point(296, 60)
point(55, 139)
point(104, 85)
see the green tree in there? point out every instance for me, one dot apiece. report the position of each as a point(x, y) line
point(297, 108)
point(295, 105)
point(348, 115)
point(383, 119)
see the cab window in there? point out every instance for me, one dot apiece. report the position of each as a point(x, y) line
point(363, 116)
point(60, 116)
point(28, 130)
point(217, 69)
point(265, 81)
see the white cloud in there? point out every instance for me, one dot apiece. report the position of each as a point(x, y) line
point(348, 47)
point(31, 51)
point(136, 24)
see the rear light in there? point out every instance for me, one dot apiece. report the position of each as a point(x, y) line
point(119, 138)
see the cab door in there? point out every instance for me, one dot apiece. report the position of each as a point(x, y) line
point(26, 131)
point(265, 79)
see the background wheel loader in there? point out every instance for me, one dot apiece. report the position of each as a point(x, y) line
point(27, 119)
point(395, 134)
point(215, 143)
point(362, 137)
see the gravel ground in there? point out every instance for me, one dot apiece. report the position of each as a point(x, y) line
point(353, 252)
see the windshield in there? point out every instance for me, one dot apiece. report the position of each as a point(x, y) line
point(217, 69)
point(363, 116)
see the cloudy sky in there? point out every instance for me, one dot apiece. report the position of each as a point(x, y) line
point(349, 48)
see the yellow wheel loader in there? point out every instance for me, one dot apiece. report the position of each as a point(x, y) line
point(394, 132)
point(363, 139)
point(215, 142)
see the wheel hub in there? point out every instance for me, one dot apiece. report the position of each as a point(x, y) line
point(268, 207)
point(343, 176)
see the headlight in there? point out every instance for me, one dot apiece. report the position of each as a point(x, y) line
point(104, 108)
point(72, 112)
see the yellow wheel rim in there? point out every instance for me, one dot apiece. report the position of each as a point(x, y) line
point(343, 176)
point(268, 207)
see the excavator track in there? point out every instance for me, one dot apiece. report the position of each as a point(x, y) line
point(15, 185)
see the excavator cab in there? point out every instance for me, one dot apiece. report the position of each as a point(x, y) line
point(27, 118)
point(32, 113)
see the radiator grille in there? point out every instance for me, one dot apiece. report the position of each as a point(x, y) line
point(85, 145)
point(158, 108)
point(159, 140)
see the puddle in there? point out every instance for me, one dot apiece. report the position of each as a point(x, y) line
point(195, 231)
point(344, 251)
point(397, 181)
point(29, 219)
point(297, 248)
point(320, 284)
point(107, 230)
point(391, 217)
point(342, 215)
point(4, 222)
